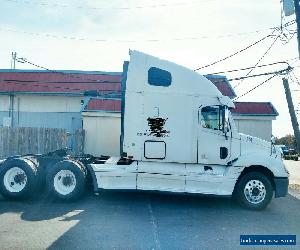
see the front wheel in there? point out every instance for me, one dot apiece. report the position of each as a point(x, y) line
point(67, 180)
point(254, 191)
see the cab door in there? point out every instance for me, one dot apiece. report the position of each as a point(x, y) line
point(213, 142)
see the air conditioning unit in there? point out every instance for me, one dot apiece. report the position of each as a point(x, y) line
point(288, 7)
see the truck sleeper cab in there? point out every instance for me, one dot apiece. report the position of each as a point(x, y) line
point(178, 130)
point(177, 135)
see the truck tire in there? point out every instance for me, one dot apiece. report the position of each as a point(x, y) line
point(66, 180)
point(254, 191)
point(18, 178)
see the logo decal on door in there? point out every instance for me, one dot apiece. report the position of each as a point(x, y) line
point(156, 126)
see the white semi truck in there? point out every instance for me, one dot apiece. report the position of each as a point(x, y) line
point(177, 135)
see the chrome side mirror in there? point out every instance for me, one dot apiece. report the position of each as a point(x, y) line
point(226, 121)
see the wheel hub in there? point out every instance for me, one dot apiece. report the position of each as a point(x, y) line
point(255, 191)
point(64, 182)
point(19, 178)
point(67, 180)
point(15, 180)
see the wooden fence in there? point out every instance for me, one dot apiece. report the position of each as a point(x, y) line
point(16, 141)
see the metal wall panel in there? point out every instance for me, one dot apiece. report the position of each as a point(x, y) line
point(4, 102)
point(258, 128)
point(102, 134)
point(65, 120)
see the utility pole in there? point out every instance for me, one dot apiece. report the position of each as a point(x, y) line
point(292, 111)
point(13, 60)
point(297, 12)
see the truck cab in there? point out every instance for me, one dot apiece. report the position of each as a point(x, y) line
point(179, 133)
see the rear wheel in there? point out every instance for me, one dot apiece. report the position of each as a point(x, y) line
point(18, 178)
point(67, 180)
point(254, 191)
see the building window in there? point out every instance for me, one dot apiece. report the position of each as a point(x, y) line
point(212, 117)
point(159, 77)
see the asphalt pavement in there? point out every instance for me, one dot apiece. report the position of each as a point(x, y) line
point(125, 220)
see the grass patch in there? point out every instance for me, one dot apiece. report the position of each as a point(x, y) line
point(291, 157)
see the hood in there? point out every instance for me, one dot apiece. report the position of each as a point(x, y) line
point(250, 144)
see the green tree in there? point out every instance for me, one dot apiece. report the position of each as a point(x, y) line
point(288, 140)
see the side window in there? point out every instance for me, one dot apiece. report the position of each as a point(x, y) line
point(212, 117)
point(159, 77)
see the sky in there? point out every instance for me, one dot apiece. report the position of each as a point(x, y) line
point(97, 35)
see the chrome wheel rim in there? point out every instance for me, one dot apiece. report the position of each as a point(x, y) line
point(255, 191)
point(64, 182)
point(15, 180)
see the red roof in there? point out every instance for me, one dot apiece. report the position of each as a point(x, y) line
point(106, 105)
point(254, 108)
point(75, 82)
point(222, 84)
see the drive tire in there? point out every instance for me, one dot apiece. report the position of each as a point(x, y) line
point(66, 180)
point(254, 191)
point(18, 178)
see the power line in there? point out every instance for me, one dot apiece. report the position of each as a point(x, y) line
point(283, 71)
point(287, 24)
point(155, 6)
point(294, 79)
point(242, 69)
point(23, 60)
point(297, 81)
point(285, 38)
point(260, 59)
point(134, 41)
point(249, 91)
point(235, 53)
point(275, 73)
point(292, 59)
point(143, 40)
